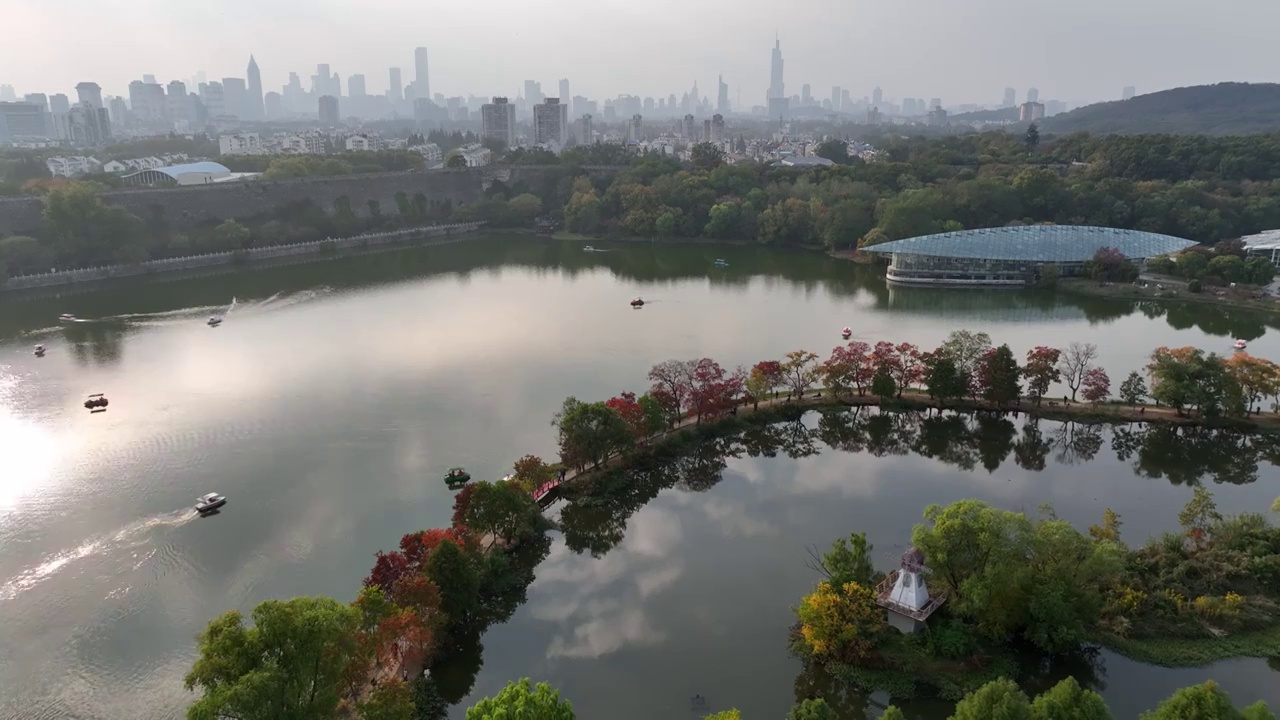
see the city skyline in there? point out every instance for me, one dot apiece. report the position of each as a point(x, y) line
point(1127, 50)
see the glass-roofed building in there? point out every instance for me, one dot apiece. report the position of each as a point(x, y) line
point(1013, 256)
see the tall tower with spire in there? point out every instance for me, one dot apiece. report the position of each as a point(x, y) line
point(253, 103)
point(776, 88)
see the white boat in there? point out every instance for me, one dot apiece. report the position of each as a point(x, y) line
point(214, 321)
point(846, 332)
point(210, 502)
point(1240, 345)
point(721, 263)
point(39, 351)
point(67, 318)
point(588, 248)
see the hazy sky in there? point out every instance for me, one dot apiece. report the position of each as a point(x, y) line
point(1079, 51)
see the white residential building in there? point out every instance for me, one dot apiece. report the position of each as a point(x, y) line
point(430, 152)
point(307, 143)
point(551, 124)
point(241, 144)
point(364, 142)
point(72, 166)
point(498, 121)
point(475, 154)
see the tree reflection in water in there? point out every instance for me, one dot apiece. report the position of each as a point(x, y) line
point(595, 517)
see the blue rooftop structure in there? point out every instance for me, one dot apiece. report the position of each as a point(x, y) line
point(1013, 256)
point(1037, 243)
point(196, 173)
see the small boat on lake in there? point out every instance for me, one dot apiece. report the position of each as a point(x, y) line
point(456, 476)
point(1240, 345)
point(210, 502)
point(39, 351)
point(588, 248)
point(67, 318)
point(214, 321)
point(720, 262)
point(96, 403)
point(637, 303)
point(845, 333)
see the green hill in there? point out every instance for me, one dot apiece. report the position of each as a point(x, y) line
point(1222, 109)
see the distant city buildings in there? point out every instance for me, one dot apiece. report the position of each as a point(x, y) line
point(329, 110)
point(23, 121)
point(1128, 93)
point(498, 121)
point(1030, 111)
point(586, 133)
point(722, 95)
point(254, 104)
point(776, 86)
point(1033, 95)
point(717, 128)
point(241, 144)
point(421, 78)
point(936, 117)
point(551, 124)
point(1010, 98)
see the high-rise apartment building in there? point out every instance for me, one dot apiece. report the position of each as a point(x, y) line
point(1030, 112)
point(806, 98)
point(717, 128)
point(177, 104)
point(877, 97)
point(320, 81)
point(706, 131)
point(1033, 95)
point(395, 91)
point(37, 99)
point(23, 120)
point(1010, 97)
point(59, 103)
point(215, 102)
point(564, 94)
point(551, 123)
point(236, 94)
point(586, 133)
point(90, 94)
point(776, 87)
point(835, 98)
point(935, 103)
point(273, 105)
point(688, 129)
point(532, 92)
point(329, 114)
point(254, 109)
point(355, 86)
point(118, 109)
point(498, 121)
point(420, 73)
point(722, 95)
point(8, 94)
point(636, 128)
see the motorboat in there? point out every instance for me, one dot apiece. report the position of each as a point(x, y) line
point(588, 248)
point(845, 333)
point(67, 318)
point(96, 403)
point(214, 321)
point(39, 351)
point(720, 262)
point(1240, 345)
point(637, 303)
point(456, 476)
point(210, 502)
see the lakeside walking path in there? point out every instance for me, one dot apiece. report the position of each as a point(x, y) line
point(1112, 413)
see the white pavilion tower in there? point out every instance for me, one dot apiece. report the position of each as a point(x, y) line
point(906, 596)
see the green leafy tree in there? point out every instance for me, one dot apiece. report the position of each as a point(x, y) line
point(1134, 389)
point(392, 700)
point(524, 209)
point(812, 709)
point(966, 348)
point(845, 222)
point(1068, 701)
point(455, 161)
point(893, 713)
point(86, 232)
point(882, 383)
point(1227, 268)
point(1205, 702)
point(942, 378)
point(1199, 516)
point(1032, 138)
point(231, 235)
point(454, 572)
point(997, 376)
point(914, 212)
point(501, 510)
point(589, 433)
point(1259, 271)
point(289, 665)
point(583, 213)
point(1109, 530)
point(1041, 370)
point(24, 255)
point(706, 156)
point(997, 700)
point(835, 150)
point(849, 561)
point(733, 714)
point(523, 701)
point(1192, 265)
point(840, 622)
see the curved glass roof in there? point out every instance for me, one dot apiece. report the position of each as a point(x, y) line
point(1038, 243)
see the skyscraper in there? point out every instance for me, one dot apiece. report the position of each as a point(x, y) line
point(329, 110)
point(59, 103)
point(776, 88)
point(835, 98)
point(355, 86)
point(532, 92)
point(1010, 97)
point(215, 102)
point(806, 98)
point(564, 92)
point(551, 123)
point(320, 81)
point(722, 95)
point(37, 99)
point(253, 102)
point(498, 121)
point(420, 77)
point(877, 97)
point(1033, 95)
point(235, 93)
point(935, 103)
point(395, 91)
point(177, 104)
point(8, 94)
point(717, 128)
point(586, 134)
point(688, 129)
point(90, 94)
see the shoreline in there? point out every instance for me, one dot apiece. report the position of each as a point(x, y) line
point(1090, 288)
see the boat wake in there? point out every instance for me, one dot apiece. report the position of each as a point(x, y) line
point(129, 537)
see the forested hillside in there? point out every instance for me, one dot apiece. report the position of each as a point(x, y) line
point(1222, 109)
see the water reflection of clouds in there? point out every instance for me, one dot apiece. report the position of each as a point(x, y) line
point(600, 603)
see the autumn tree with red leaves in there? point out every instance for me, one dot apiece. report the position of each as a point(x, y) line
point(387, 569)
point(772, 372)
point(631, 413)
point(1041, 370)
point(713, 392)
point(672, 382)
point(1096, 385)
point(800, 371)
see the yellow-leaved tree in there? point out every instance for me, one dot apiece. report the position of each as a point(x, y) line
point(840, 622)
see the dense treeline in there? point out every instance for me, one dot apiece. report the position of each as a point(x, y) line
point(344, 163)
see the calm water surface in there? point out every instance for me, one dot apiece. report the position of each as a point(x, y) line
point(336, 394)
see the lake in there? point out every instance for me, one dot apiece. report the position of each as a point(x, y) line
point(335, 395)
